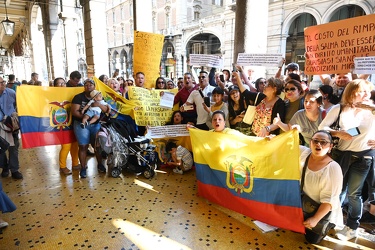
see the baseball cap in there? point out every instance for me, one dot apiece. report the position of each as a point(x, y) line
point(94, 93)
point(292, 66)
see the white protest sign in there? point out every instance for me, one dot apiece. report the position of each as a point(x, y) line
point(166, 100)
point(268, 60)
point(167, 131)
point(206, 60)
point(364, 65)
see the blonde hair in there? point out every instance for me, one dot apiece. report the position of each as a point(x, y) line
point(352, 89)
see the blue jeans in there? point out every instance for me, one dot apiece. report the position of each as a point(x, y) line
point(353, 183)
point(85, 135)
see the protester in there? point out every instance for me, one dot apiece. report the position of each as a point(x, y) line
point(86, 135)
point(160, 83)
point(181, 158)
point(68, 147)
point(8, 108)
point(74, 79)
point(219, 104)
point(189, 115)
point(322, 182)
point(34, 80)
point(104, 79)
point(353, 153)
point(237, 105)
point(305, 120)
point(294, 98)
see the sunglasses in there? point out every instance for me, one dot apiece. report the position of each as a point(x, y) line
point(161, 82)
point(262, 82)
point(201, 77)
point(291, 89)
point(322, 143)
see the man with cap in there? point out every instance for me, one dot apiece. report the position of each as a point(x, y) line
point(86, 135)
point(92, 114)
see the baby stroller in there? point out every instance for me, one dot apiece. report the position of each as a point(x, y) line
point(125, 150)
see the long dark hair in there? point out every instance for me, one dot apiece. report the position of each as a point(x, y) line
point(232, 113)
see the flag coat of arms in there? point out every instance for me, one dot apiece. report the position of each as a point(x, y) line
point(257, 178)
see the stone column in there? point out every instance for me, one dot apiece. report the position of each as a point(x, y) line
point(95, 36)
point(251, 27)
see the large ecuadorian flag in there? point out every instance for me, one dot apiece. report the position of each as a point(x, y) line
point(44, 115)
point(257, 178)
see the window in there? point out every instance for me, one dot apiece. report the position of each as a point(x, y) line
point(217, 2)
point(197, 48)
point(169, 49)
point(131, 9)
point(114, 17)
point(196, 15)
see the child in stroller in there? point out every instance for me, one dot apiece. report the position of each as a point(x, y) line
point(125, 150)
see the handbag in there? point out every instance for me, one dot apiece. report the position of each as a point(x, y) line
point(309, 208)
point(250, 112)
point(11, 122)
point(336, 126)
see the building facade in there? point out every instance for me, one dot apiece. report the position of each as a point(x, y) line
point(53, 38)
point(208, 27)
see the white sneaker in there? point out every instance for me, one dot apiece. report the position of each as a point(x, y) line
point(347, 233)
point(178, 171)
point(3, 224)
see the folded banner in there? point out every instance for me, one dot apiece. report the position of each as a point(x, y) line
point(44, 115)
point(119, 104)
point(257, 178)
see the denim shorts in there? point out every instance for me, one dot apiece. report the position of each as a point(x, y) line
point(87, 134)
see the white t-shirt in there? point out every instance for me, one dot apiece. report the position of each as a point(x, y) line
point(196, 98)
point(324, 185)
point(350, 118)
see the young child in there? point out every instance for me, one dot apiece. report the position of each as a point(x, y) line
point(180, 157)
point(93, 112)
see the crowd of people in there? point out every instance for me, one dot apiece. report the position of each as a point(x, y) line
point(335, 123)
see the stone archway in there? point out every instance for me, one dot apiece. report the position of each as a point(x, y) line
point(295, 43)
point(167, 62)
point(123, 63)
point(38, 45)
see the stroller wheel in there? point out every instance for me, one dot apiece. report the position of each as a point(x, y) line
point(149, 173)
point(115, 172)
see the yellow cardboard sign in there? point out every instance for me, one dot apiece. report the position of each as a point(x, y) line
point(147, 53)
point(148, 111)
point(331, 48)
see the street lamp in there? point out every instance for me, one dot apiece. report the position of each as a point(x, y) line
point(7, 24)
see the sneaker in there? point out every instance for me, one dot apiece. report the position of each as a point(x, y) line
point(83, 173)
point(101, 168)
point(367, 218)
point(347, 233)
point(89, 153)
point(178, 171)
point(76, 167)
point(65, 171)
point(3, 224)
point(5, 172)
point(17, 175)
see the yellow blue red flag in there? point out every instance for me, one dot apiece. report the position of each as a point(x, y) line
point(257, 178)
point(44, 115)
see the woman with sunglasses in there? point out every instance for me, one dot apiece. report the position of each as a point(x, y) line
point(354, 153)
point(260, 83)
point(305, 120)
point(322, 180)
point(160, 83)
point(293, 98)
point(236, 108)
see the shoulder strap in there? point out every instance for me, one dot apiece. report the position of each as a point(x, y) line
point(256, 99)
point(304, 172)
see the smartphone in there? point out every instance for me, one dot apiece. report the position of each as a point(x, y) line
point(207, 101)
point(188, 107)
point(222, 78)
point(353, 131)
